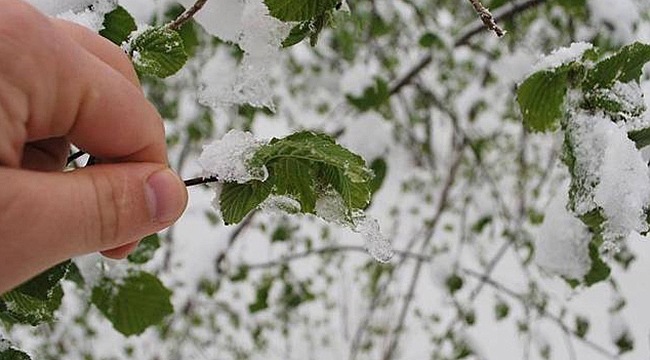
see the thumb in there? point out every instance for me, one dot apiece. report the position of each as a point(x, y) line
point(50, 217)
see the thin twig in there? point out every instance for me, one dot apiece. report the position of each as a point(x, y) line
point(487, 18)
point(75, 156)
point(442, 205)
point(200, 181)
point(504, 13)
point(186, 16)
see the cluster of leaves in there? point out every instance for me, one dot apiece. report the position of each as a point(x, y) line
point(542, 98)
point(131, 303)
point(303, 166)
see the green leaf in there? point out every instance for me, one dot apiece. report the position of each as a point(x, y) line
point(237, 200)
point(17, 307)
point(625, 343)
point(454, 283)
point(118, 25)
point(314, 147)
point(297, 34)
point(42, 286)
point(35, 301)
point(133, 304)
point(501, 310)
point(640, 137)
point(355, 195)
point(294, 177)
point(429, 40)
point(13, 354)
point(541, 99)
point(379, 167)
point(158, 51)
point(624, 66)
point(599, 269)
point(262, 295)
point(145, 250)
point(299, 10)
point(581, 327)
point(373, 96)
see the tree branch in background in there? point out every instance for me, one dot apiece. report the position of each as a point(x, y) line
point(186, 16)
point(506, 12)
point(487, 18)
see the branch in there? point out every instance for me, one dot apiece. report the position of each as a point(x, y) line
point(200, 181)
point(186, 16)
point(487, 18)
point(542, 312)
point(451, 178)
point(504, 13)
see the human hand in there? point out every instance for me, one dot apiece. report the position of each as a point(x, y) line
point(62, 84)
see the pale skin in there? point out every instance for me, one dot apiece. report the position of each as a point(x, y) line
point(62, 84)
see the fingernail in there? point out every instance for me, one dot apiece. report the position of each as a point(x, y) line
point(164, 199)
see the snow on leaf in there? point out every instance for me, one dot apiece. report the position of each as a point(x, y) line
point(227, 158)
point(562, 244)
point(562, 56)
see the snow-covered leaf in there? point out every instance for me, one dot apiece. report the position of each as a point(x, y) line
point(13, 354)
point(624, 66)
point(133, 304)
point(35, 301)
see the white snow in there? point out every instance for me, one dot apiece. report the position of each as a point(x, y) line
point(618, 327)
point(227, 158)
point(4, 345)
point(562, 56)
point(55, 7)
point(221, 18)
point(249, 25)
point(624, 188)
point(331, 208)
point(78, 11)
point(562, 244)
point(376, 243)
point(92, 19)
point(621, 15)
point(612, 174)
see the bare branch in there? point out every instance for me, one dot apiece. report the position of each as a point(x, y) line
point(187, 15)
point(506, 12)
point(487, 18)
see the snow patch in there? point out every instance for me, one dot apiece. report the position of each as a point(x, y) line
point(280, 204)
point(562, 244)
point(227, 158)
point(562, 56)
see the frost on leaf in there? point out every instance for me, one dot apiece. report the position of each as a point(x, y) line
point(227, 158)
point(562, 245)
